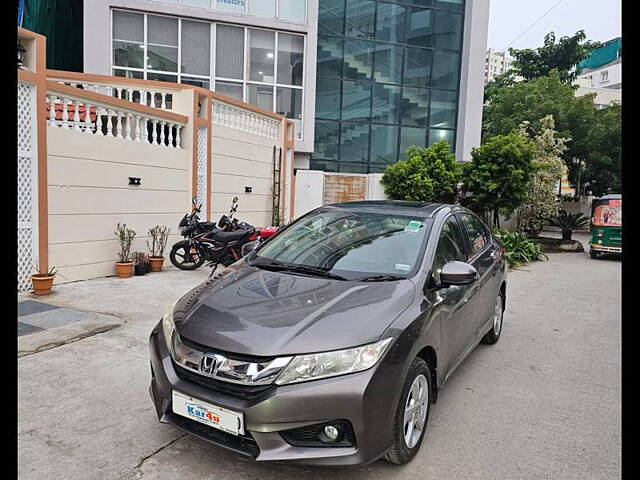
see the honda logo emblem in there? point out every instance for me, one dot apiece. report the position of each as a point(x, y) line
point(210, 363)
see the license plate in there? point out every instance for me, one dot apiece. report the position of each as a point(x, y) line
point(212, 415)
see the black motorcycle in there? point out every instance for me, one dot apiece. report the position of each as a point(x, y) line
point(218, 244)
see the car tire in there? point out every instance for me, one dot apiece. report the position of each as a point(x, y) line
point(593, 254)
point(404, 450)
point(493, 335)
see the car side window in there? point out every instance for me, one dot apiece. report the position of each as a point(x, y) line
point(450, 247)
point(476, 231)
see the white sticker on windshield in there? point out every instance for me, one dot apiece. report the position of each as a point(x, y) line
point(403, 267)
point(413, 226)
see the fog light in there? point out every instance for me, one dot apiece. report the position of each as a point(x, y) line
point(331, 432)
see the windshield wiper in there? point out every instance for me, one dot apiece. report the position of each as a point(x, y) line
point(379, 278)
point(283, 267)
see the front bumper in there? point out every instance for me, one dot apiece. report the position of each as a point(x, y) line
point(604, 248)
point(364, 399)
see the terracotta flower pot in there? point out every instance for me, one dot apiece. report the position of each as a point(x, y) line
point(156, 263)
point(124, 269)
point(42, 284)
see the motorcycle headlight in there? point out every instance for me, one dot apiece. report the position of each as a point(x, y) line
point(330, 364)
point(168, 325)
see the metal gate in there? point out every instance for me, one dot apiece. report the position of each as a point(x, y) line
point(27, 181)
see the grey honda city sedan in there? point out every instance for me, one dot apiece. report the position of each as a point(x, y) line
point(328, 343)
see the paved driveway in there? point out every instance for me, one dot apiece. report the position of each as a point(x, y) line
point(543, 403)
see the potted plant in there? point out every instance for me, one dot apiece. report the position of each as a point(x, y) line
point(159, 236)
point(42, 281)
point(140, 263)
point(125, 236)
point(568, 222)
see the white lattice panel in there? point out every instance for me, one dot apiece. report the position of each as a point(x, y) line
point(27, 174)
point(202, 167)
point(25, 258)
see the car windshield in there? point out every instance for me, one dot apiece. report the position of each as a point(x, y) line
point(353, 245)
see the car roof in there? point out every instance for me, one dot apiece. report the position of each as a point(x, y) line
point(425, 209)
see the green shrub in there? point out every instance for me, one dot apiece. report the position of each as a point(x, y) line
point(429, 174)
point(519, 249)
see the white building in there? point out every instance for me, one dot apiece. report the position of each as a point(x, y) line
point(601, 73)
point(496, 63)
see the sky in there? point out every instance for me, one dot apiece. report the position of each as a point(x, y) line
point(600, 19)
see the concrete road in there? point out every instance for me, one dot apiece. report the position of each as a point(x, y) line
point(543, 403)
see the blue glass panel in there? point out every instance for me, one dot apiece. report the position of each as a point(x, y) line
point(386, 102)
point(354, 142)
point(331, 17)
point(328, 98)
point(359, 18)
point(384, 143)
point(453, 5)
point(390, 24)
point(417, 69)
point(443, 109)
point(448, 30)
point(413, 106)
point(419, 27)
point(327, 139)
point(388, 63)
point(356, 101)
point(445, 70)
point(325, 166)
point(436, 135)
point(330, 52)
point(411, 137)
point(358, 59)
point(352, 167)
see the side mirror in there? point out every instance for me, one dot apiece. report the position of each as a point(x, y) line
point(248, 247)
point(457, 273)
point(194, 200)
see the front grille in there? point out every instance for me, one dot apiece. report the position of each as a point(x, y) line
point(244, 444)
point(243, 392)
point(231, 355)
point(313, 435)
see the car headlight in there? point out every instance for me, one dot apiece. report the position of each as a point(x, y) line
point(168, 325)
point(330, 364)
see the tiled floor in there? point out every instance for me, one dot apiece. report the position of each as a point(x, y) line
point(37, 316)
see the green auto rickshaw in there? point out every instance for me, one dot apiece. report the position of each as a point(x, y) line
point(606, 225)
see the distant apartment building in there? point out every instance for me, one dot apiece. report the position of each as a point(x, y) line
point(601, 73)
point(496, 63)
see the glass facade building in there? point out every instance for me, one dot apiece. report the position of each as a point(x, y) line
point(388, 77)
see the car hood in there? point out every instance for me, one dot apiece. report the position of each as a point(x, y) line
point(258, 312)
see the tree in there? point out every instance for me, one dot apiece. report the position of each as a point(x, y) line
point(429, 174)
point(541, 201)
point(496, 179)
point(562, 56)
point(603, 172)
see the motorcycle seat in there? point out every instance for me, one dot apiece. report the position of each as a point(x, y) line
point(226, 237)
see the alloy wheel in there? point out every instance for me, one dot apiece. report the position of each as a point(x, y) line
point(415, 411)
point(497, 316)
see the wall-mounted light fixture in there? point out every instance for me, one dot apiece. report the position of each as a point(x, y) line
point(134, 181)
point(22, 54)
point(248, 189)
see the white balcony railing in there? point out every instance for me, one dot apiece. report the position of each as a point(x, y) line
point(90, 116)
point(231, 116)
point(148, 95)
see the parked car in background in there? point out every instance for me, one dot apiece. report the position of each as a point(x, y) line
point(328, 343)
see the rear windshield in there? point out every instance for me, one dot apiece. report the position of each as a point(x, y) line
point(352, 243)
